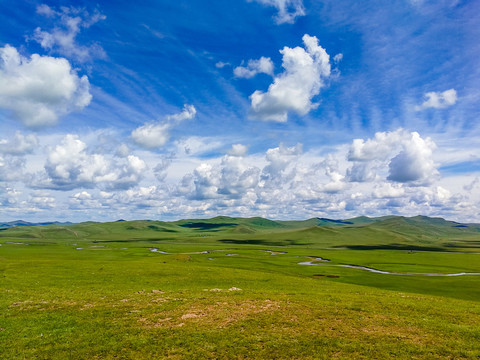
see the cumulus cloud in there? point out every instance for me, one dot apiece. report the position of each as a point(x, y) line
point(151, 136)
point(438, 100)
point(41, 89)
point(379, 147)
point(387, 190)
point(361, 172)
point(12, 156)
point(41, 200)
point(305, 72)
point(415, 163)
point(237, 177)
point(11, 167)
point(254, 67)
point(234, 178)
point(336, 182)
point(62, 37)
point(288, 10)
point(436, 196)
point(279, 159)
point(154, 135)
point(161, 168)
point(409, 157)
point(18, 145)
point(69, 165)
point(205, 183)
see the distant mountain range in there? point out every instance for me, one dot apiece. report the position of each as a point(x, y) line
point(259, 222)
point(359, 233)
point(26, 223)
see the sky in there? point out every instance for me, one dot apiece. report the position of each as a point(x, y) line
point(286, 109)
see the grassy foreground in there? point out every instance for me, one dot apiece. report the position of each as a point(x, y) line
point(97, 291)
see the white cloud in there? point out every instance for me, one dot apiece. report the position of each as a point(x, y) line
point(238, 150)
point(281, 182)
point(62, 37)
point(387, 190)
point(254, 67)
point(196, 145)
point(337, 58)
point(41, 200)
point(11, 168)
point(70, 166)
point(9, 197)
point(161, 168)
point(278, 161)
point(205, 183)
point(288, 10)
point(187, 113)
point(414, 163)
point(221, 64)
point(19, 144)
point(293, 90)
point(336, 183)
point(379, 147)
point(409, 157)
point(122, 151)
point(237, 178)
point(12, 156)
point(41, 89)
point(438, 100)
point(361, 172)
point(154, 135)
point(151, 136)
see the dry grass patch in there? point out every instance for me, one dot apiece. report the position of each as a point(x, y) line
point(219, 314)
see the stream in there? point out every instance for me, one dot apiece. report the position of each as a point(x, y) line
point(315, 260)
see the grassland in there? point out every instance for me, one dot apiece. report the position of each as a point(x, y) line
point(232, 288)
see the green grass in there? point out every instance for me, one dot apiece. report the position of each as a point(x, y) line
point(115, 299)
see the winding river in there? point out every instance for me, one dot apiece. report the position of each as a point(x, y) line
point(315, 262)
point(376, 271)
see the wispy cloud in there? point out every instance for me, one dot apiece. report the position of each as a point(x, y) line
point(154, 135)
point(288, 10)
point(61, 38)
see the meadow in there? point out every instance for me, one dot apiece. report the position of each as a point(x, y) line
point(235, 288)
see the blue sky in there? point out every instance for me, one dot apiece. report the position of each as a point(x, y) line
point(286, 109)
